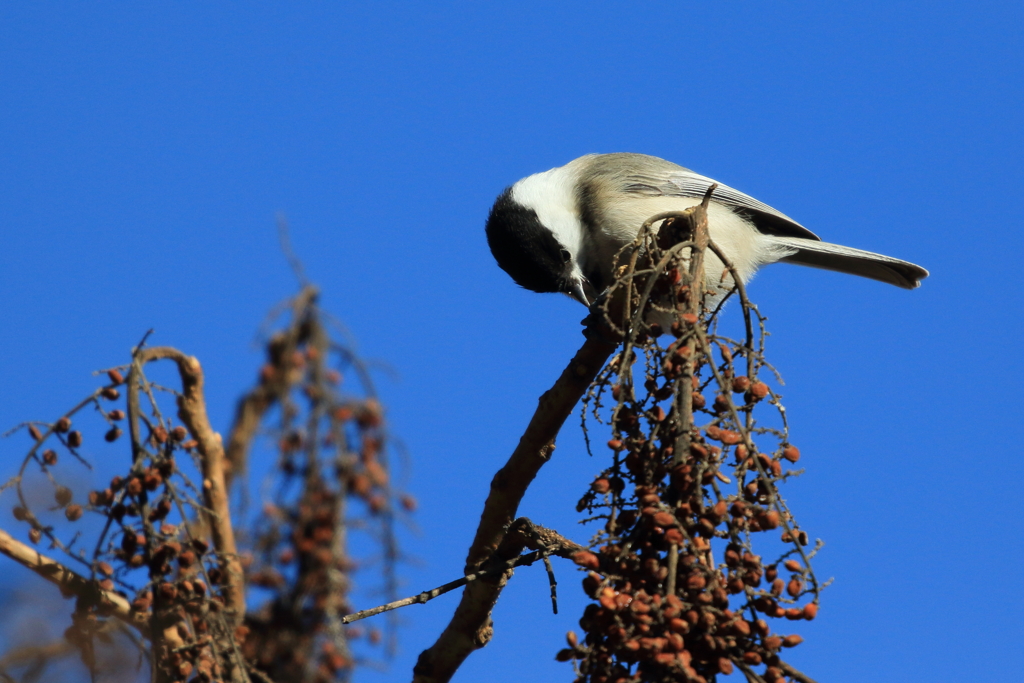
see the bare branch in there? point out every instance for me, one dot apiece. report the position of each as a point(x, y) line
point(794, 674)
point(192, 411)
point(470, 627)
point(69, 582)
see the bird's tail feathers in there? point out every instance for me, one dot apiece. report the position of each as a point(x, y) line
point(852, 261)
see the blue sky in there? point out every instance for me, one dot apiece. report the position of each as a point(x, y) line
point(145, 150)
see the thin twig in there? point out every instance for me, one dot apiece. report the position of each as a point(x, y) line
point(427, 596)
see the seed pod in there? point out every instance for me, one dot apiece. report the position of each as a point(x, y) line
point(105, 569)
point(777, 586)
point(740, 384)
point(50, 457)
point(75, 439)
point(680, 626)
point(810, 611)
point(587, 559)
point(729, 437)
point(73, 512)
point(34, 535)
point(179, 433)
point(752, 658)
point(116, 415)
point(664, 519)
point(115, 377)
point(772, 643)
point(674, 536)
point(626, 519)
point(163, 508)
point(770, 519)
point(601, 485)
point(793, 566)
point(615, 444)
point(63, 495)
point(63, 425)
point(758, 390)
point(565, 655)
point(110, 393)
point(113, 434)
point(134, 487)
point(725, 666)
point(34, 432)
point(791, 453)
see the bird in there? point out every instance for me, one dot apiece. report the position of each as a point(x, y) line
point(560, 230)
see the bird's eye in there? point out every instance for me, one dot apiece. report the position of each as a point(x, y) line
point(566, 256)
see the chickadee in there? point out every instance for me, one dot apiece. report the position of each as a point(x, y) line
point(559, 231)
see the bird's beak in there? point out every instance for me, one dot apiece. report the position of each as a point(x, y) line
point(577, 293)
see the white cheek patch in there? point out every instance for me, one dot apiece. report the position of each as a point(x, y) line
point(552, 195)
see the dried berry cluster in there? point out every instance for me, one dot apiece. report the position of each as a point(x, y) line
point(680, 593)
point(333, 477)
point(156, 553)
point(144, 548)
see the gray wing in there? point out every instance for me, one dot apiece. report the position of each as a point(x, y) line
point(654, 177)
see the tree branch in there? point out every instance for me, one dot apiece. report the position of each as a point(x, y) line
point(69, 582)
point(470, 627)
point(192, 411)
point(794, 674)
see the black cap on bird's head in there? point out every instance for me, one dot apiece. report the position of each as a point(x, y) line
point(528, 251)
